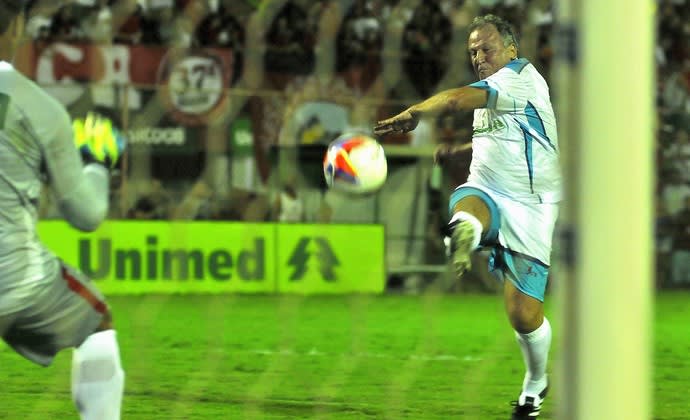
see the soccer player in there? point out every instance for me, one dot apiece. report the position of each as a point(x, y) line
point(510, 200)
point(45, 305)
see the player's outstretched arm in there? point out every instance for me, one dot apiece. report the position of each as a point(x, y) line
point(466, 98)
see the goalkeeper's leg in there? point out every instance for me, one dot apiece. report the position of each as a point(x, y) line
point(97, 375)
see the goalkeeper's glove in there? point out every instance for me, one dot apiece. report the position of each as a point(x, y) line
point(98, 141)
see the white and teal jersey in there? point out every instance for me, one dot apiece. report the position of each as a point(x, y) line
point(514, 142)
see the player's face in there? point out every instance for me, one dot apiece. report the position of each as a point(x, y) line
point(487, 52)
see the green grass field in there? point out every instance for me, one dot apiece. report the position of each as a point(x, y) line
point(355, 357)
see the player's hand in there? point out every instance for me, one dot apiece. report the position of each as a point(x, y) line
point(442, 152)
point(401, 123)
point(445, 152)
point(97, 140)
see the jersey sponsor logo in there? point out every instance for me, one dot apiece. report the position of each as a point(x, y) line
point(493, 125)
point(101, 260)
point(313, 254)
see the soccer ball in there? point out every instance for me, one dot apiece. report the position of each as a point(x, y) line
point(355, 163)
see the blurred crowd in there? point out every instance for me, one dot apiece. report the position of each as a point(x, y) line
point(673, 142)
point(420, 35)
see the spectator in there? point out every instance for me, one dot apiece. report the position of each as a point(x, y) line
point(314, 15)
point(676, 88)
point(680, 253)
point(664, 231)
point(156, 22)
point(222, 30)
point(673, 30)
point(130, 28)
point(674, 166)
point(426, 41)
point(193, 201)
point(143, 209)
point(452, 129)
point(360, 39)
point(288, 205)
point(203, 203)
point(679, 153)
point(153, 201)
point(289, 49)
point(80, 21)
point(673, 193)
point(39, 21)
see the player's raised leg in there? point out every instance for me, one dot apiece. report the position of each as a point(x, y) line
point(470, 222)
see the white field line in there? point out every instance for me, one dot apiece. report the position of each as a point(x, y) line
point(314, 352)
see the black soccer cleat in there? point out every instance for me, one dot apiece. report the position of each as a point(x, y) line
point(528, 407)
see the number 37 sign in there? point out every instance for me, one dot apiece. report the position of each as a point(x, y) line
point(194, 85)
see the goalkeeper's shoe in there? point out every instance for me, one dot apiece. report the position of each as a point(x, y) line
point(528, 407)
point(98, 141)
point(461, 241)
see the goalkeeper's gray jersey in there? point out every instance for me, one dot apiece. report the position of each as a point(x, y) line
point(36, 146)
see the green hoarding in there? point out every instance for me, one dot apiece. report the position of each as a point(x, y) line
point(331, 258)
point(133, 257)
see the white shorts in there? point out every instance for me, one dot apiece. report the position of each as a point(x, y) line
point(520, 236)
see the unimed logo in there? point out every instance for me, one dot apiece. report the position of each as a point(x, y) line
point(151, 262)
point(318, 251)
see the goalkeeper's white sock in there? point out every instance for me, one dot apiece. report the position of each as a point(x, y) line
point(97, 377)
point(535, 352)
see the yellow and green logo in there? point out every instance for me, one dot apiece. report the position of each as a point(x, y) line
point(331, 258)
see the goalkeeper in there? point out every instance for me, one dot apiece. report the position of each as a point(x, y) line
point(46, 305)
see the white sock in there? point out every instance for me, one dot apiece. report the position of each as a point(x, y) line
point(535, 352)
point(97, 377)
point(476, 224)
